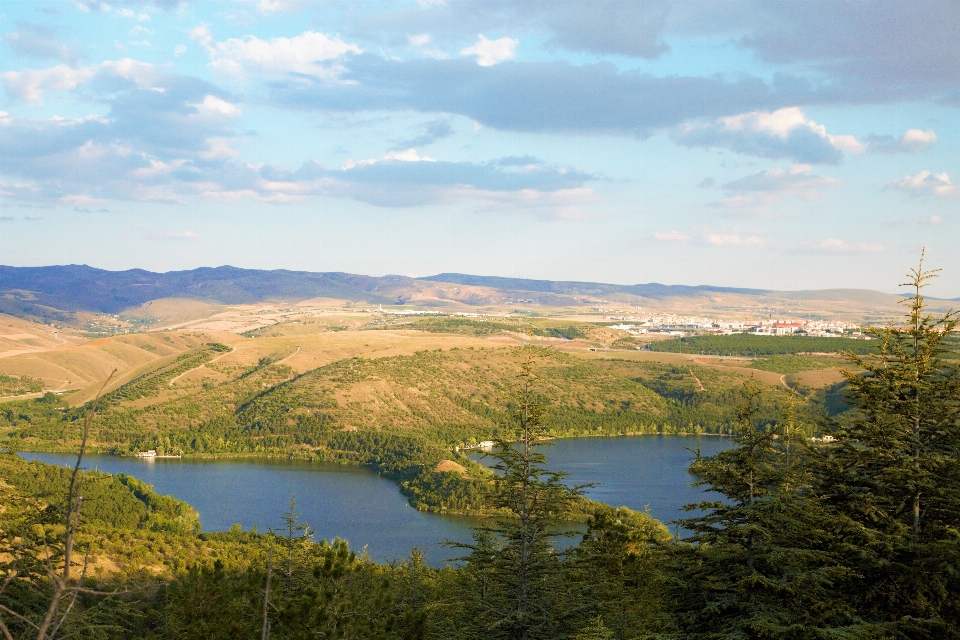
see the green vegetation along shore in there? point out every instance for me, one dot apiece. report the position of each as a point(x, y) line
point(403, 416)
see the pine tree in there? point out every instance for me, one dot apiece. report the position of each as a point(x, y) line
point(617, 571)
point(516, 591)
point(757, 565)
point(893, 476)
point(596, 630)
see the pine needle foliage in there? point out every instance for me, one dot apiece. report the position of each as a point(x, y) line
point(515, 589)
point(893, 477)
point(757, 564)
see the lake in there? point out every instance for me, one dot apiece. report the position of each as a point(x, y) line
point(632, 471)
point(358, 505)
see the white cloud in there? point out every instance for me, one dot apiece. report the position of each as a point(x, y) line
point(422, 44)
point(915, 139)
point(733, 240)
point(911, 140)
point(835, 245)
point(277, 57)
point(181, 235)
point(130, 13)
point(159, 168)
point(82, 201)
point(202, 36)
point(275, 6)
point(212, 105)
point(490, 52)
point(143, 74)
point(30, 84)
point(785, 133)
point(218, 149)
point(409, 155)
point(783, 122)
point(429, 4)
point(937, 184)
point(179, 50)
point(671, 236)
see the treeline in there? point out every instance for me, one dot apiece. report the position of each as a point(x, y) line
point(416, 411)
point(742, 344)
point(486, 327)
point(16, 385)
point(120, 500)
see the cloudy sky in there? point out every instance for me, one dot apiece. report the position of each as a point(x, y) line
point(787, 145)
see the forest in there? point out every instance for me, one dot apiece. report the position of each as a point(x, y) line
point(744, 344)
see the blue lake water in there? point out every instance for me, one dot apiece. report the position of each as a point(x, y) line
point(367, 510)
point(633, 471)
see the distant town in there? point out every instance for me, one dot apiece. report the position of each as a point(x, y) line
point(682, 325)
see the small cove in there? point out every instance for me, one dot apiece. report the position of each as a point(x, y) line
point(358, 505)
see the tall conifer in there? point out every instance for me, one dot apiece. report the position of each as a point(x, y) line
point(757, 564)
point(893, 477)
point(518, 593)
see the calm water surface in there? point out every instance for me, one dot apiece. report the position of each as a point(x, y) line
point(633, 471)
point(366, 509)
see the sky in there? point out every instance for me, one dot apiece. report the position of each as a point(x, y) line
point(783, 145)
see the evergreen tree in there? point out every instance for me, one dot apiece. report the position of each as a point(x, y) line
point(515, 589)
point(757, 565)
point(893, 477)
point(617, 570)
point(596, 630)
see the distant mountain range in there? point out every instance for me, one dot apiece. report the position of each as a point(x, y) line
point(56, 292)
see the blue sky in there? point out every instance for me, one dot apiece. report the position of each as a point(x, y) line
point(787, 145)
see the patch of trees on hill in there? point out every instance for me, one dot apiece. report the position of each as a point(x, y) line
point(743, 344)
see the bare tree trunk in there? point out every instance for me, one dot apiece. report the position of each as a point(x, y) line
point(265, 635)
point(50, 625)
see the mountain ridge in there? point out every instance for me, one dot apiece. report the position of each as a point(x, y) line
point(55, 292)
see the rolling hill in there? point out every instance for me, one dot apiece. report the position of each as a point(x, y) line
point(57, 293)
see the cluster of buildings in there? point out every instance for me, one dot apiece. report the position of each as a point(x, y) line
point(682, 325)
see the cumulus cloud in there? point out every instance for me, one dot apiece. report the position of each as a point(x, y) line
point(161, 135)
point(407, 155)
point(671, 236)
point(911, 140)
point(784, 133)
point(278, 57)
point(733, 240)
point(142, 74)
point(422, 44)
point(927, 182)
point(31, 84)
point(835, 245)
point(490, 52)
point(213, 105)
